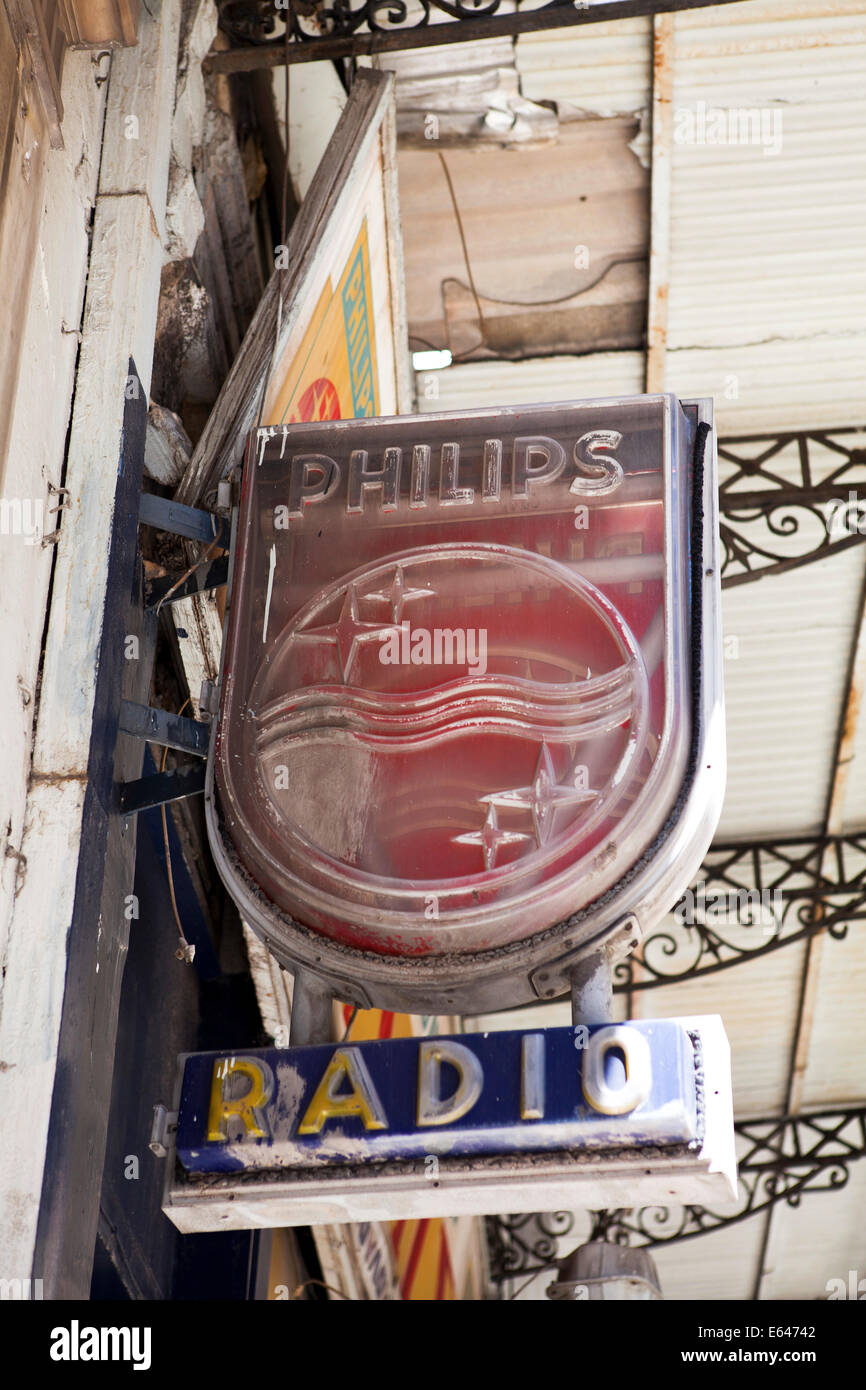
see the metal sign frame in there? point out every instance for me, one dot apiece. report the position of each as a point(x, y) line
point(541, 966)
point(476, 1185)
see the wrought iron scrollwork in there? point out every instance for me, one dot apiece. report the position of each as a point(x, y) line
point(781, 1160)
point(787, 500)
point(751, 900)
point(343, 29)
point(520, 1244)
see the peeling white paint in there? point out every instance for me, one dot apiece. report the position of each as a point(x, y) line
point(126, 258)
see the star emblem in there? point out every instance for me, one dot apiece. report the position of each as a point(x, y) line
point(490, 837)
point(348, 632)
point(544, 797)
point(397, 594)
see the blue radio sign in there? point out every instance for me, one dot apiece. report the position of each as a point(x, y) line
point(619, 1086)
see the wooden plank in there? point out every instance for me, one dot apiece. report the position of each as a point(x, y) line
point(224, 172)
point(38, 63)
point(273, 988)
point(21, 182)
point(98, 935)
point(141, 98)
point(43, 268)
point(198, 626)
point(396, 274)
point(35, 969)
point(122, 295)
point(119, 319)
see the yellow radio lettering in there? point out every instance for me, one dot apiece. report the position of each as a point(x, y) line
point(248, 1108)
point(346, 1065)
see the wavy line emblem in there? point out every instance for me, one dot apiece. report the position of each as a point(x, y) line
point(448, 712)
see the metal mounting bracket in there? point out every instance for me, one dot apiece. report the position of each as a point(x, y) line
point(162, 1130)
point(191, 522)
point(164, 727)
point(160, 788)
point(555, 978)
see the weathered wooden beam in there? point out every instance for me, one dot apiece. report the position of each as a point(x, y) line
point(37, 62)
point(63, 974)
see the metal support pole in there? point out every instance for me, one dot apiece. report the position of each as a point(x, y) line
point(311, 1011)
point(599, 1270)
point(592, 990)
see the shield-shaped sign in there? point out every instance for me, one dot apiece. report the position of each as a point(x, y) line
point(469, 709)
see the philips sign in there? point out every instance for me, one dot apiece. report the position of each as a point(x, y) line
point(470, 710)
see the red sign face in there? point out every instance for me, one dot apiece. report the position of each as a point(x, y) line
point(454, 696)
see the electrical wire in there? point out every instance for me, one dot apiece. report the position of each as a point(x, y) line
point(524, 1285)
point(296, 1294)
point(214, 545)
point(623, 258)
point(184, 950)
point(456, 357)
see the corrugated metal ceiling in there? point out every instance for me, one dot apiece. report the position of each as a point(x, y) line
point(768, 252)
point(604, 69)
point(784, 693)
point(491, 383)
point(820, 1240)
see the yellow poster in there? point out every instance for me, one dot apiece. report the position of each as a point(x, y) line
point(333, 375)
point(422, 1253)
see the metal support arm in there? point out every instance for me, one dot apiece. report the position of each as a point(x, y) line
point(190, 522)
point(164, 727)
point(311, 1011)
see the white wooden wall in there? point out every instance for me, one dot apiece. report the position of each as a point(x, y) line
point(118, 322)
